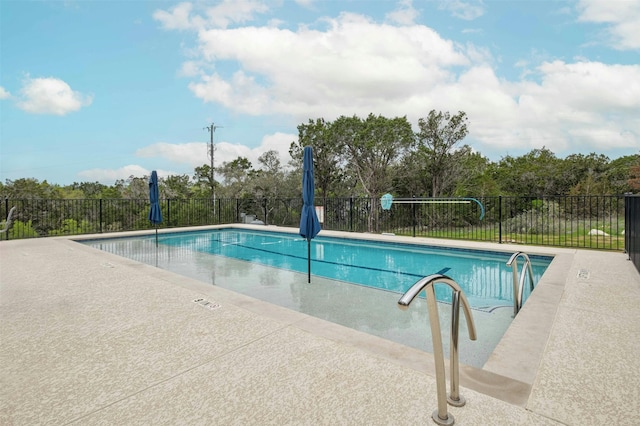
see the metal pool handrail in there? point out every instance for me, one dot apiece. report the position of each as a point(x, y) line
point(440, 416)
point(518, 279)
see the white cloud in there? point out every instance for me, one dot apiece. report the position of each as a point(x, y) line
point(405, 14)
point(354, 65)
point(241, 93)
point(467, 10)
point(190, 69)
point(279, 142)
point(581, 85)
point(4, 94)
point(183, 16)
point(587, 104)
point(195, 154)
point(50, 96)
point(178, 18)
point(192, 153)
point(109, 176)
point(621, 16)
point(234, 11)
point(227, 152)
point(605, 135)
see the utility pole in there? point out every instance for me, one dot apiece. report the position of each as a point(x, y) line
point(211, 150)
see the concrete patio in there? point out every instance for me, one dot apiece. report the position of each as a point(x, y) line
point(87, 338)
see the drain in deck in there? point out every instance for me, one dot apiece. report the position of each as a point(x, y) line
point(209, 305)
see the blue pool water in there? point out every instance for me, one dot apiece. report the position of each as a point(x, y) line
point(483, 275)
point(355, 283)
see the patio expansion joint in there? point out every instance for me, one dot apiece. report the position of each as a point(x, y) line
point(174, 376)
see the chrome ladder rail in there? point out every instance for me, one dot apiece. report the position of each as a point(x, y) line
point(518, 279)
point(441, 416)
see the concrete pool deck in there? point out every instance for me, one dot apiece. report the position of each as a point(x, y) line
point(87, 337)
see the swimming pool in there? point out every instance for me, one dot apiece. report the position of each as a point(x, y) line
point(355, 283)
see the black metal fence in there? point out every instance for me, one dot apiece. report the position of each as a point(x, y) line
point(567, 221)
point(632, 231)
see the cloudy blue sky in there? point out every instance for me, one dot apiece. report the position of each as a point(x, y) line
point(102, 90)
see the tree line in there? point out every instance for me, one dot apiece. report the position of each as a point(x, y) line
point(371, 156)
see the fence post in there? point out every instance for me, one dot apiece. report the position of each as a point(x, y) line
point(100, 215)
point(351, 214)
point(265, 208)
point(6, 213)
point(627, 222)
point(413, 211)
point(500, 219)
point(168, 212)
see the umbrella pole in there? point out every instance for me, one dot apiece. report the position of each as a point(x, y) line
point(156, 235)
point(308, 260)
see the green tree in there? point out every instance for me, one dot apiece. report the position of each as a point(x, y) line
point(328, 155)
point(373, 145)
point(175, 186)
point(89, 189)
point(267, 182)
point(68, 193)
point(532, 174)
point(438, 136)
point(476, 180)
point(409, 177)
point(204, 185)
point(30, 188)
point(620, 173)
point(136, 188)
point(110, 192)
point(235, 175)
point(581, 174)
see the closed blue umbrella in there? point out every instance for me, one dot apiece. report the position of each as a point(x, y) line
point(155, 215)
point(309, 223)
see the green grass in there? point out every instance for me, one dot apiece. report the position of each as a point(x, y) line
point(576, 239)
